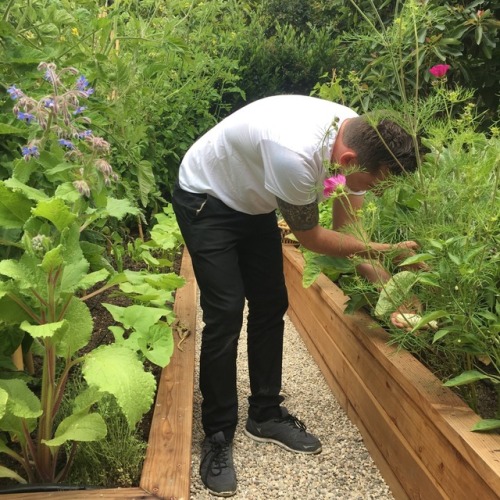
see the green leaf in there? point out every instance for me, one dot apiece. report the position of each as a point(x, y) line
point(29, 192)
point(6, 472)
point(21, 402)
point(79, 427)
point(120, 208)
point(140, 318)
point(52, 259)
point(487, 424)
point(4, 396)
point(117, 370)
point(79, 329)
point(158, 346)
point(415, 259)
point(427, 318)
point(15, 208)
point(467, 377)
point(440, 334)
point(56, 211)
point(6, 129)
point(91, 279)
point(146, 178)
point(394, 292)
point(46, 330)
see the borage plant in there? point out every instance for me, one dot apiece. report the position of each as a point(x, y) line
point(60, 190)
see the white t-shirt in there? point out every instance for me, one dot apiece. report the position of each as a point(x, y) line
point(273, 147)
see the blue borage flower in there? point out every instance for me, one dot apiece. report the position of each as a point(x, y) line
point(30, 152)
point(85, 133)
point(79, 110)
point(27, 117)
point(67, 144)
point(48, 103)
point(82, 83)
point(14, 92)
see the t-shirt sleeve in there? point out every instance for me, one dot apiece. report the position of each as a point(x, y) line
point(288, 174)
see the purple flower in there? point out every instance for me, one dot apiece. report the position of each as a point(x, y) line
point(88, 92)
point(48, 76)
point(85, 133)
point(14, 92)
point(79, 110)
point(30, 152)
point(439, 70)
point(48, 103)
point(332, 183)
point(67, 144)
point(27, 117)
point(82, 83)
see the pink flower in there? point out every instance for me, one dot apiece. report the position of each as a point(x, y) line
point(440, 70)
point(332, 183)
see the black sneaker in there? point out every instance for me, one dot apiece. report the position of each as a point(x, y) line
point(216, 467)
point(286, 431)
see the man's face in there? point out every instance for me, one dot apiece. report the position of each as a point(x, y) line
point(364, 181)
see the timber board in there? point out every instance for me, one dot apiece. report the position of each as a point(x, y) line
point(428, 420)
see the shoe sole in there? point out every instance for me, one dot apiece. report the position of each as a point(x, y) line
point(224, 494)
point(279, 443)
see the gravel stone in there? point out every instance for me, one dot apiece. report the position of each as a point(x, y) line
point(344, 469)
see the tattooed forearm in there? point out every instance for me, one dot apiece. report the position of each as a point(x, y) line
point(299, 217)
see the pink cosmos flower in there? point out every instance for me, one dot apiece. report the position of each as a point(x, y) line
point(439, 70)
point(332, 183)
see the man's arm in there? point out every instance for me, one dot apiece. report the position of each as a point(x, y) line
point(303, 221)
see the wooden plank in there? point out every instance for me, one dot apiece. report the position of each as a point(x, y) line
point(97, 494)
point(167, 467)
point(363, 407)
point(407, 386)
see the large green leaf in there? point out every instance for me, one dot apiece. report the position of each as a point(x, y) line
point(120, 208)
point(80, 426)
point(137, 317)
point(15, 208)
point(118, 371)
point(21, 402)
point(56, 211)
point(79, 330)
point(46, 330)
point(158, 346)
point(6, 129)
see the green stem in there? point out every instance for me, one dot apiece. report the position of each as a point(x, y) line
point(47, 402)
point(5, 16)
point(26, 308)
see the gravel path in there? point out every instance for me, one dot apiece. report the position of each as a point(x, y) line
point(343, 470)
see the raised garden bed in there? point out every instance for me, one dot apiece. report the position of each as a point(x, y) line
point(167, 467)
point(417, 430)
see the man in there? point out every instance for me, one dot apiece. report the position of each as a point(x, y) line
point(271, 154)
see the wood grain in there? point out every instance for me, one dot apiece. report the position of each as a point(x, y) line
point(420, 429)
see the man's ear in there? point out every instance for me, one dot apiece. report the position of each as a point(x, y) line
point(347, 158)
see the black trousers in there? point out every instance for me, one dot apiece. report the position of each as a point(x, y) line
point(235, 256)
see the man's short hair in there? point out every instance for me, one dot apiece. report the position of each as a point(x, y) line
point(380, 143)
